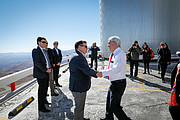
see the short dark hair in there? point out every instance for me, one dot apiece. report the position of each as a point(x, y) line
point(40, 38)
point(78, 43)
point(135, 41)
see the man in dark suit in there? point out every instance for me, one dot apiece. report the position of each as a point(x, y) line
point(80, 78)
point(41, 71)
point(58, 59)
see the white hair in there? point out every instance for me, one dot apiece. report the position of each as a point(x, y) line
point(115, 38)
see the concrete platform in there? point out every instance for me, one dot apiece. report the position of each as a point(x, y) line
point(145, 98)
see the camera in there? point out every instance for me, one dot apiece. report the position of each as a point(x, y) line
point(134, 44)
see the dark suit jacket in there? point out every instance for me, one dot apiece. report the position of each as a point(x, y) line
point(80, 73)
point(58, 58)
point(51, 56)
point(39, 61)
point(177, 89)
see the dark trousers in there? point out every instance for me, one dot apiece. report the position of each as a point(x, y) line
point(56, 73)
point(42, 92)
point(175, 112)
point(132, 63)
point(159, 67)
point(114, 95)
point(146, 65)
point(163, 70)
point(95, 63)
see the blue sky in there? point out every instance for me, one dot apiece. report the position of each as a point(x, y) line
point(67, 21)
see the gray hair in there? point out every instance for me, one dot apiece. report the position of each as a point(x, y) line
point(115, 38)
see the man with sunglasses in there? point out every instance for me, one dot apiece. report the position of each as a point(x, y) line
point(58, 59)
point(51, 75)
point(80, 78)
point(42, 68)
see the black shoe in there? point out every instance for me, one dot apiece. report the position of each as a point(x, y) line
point(58, 85)
point(44, 110)
point(144, 72)
point(54, 94)
point(86, 119)
point(163, 80)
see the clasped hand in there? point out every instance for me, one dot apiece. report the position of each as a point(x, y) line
point(99, 74)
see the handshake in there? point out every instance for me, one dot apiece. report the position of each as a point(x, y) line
point(99, 74)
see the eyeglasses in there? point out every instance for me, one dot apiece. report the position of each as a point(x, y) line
point(84, 46)
point(43, 41)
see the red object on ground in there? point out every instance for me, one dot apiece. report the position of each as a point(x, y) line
point(68, 60)
point(12, 86)
point(10, 73)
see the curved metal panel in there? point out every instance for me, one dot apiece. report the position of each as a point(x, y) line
point(150, 21)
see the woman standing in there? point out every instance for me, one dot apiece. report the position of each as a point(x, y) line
point(146, 52)
point(164, 59)
point(174, 107)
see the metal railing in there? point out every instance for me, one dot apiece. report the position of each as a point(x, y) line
point(6, 80)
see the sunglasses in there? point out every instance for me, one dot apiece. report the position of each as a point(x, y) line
point(84, 46)
point(43, 41)
point(55, 43)
point(47, 43)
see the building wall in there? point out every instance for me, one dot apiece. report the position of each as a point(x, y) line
point(151, 21)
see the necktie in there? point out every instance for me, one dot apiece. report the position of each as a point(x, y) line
point(47, 57)
point(110, 62)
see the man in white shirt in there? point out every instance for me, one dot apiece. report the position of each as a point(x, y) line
point(116, 73)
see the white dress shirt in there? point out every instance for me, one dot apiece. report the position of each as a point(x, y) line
point(117, 68)
point(81, 53)
point(56, 50)
point(47, 59)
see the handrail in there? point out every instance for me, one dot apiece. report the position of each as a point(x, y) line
point(21, 74)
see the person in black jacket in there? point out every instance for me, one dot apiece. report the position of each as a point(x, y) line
point(174, 107)
point(41, 70)
point(135, 51)
point(51, 75)
point(164, 59)
point(58, 59)
point(146, 52)
point(94, 51)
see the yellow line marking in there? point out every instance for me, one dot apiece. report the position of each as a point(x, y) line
point(1, 118)
point(140, 89)
point(141, 81)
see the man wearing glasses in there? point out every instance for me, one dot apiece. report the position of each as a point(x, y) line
point(80, 78)
point(42, 68)
point(51, 75)
point(58, 59)
point(116, 73)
